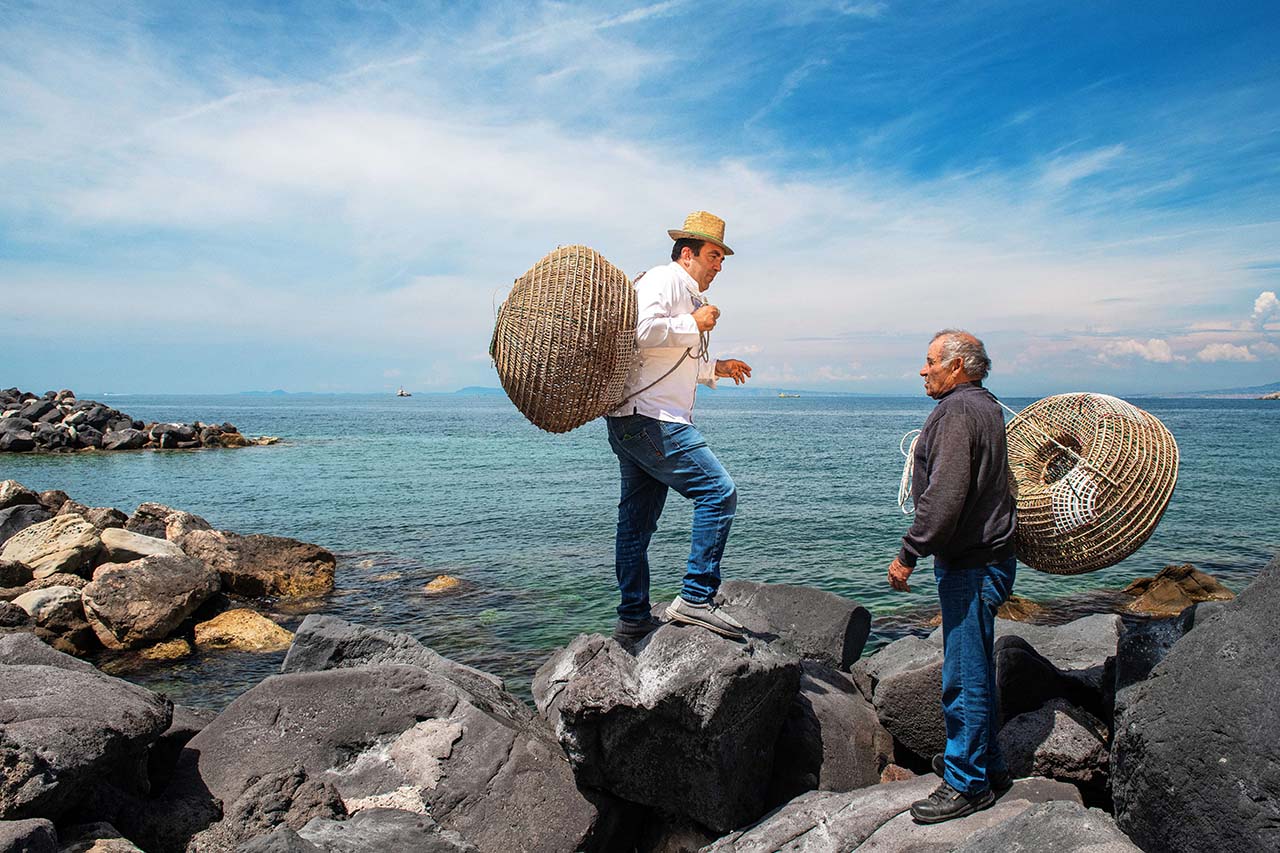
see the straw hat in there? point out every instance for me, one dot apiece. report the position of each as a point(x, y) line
point(701, 225)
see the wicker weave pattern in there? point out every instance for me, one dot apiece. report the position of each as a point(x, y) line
point(1082, 511)
point(565, 339)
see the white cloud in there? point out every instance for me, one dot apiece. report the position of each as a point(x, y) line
point(1265, 348)
point(1265, 306)
point(1225, 352)
point(1154, 349)
point(379, 207)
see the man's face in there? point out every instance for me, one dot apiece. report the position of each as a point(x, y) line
point(939, 376)
point(703, 267)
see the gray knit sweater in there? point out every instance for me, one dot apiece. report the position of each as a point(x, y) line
point(965, 512)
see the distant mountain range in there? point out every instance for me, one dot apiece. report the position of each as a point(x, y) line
point(1250, 391)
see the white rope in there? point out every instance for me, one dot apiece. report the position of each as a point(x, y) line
point(908, 468)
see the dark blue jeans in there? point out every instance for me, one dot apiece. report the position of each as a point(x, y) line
point(654, 456)
point(970, 597)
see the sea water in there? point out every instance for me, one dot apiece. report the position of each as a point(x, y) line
point(405, 489)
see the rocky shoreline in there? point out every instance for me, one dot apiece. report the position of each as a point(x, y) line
point(1124, 734)
point(57, 422)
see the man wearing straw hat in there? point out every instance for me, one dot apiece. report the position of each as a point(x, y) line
point(657, 445)
point(965, 516)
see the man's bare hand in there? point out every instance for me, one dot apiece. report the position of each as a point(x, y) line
point(739, 371)
point(706, 317)
point(898, 574)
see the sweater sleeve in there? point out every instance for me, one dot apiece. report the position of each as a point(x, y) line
point(939, 507)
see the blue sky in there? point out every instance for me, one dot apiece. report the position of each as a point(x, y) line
point(334, 197)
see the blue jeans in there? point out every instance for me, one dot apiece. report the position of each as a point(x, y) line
point(970, 597)
point(653, 456)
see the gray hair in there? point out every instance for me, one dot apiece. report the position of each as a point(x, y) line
point(957, 343)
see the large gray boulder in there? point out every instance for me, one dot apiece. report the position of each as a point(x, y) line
point(1034, 664)
point(13, 493)
point(1026, 680)
point(904, 682)
point(26, 650)
point(57, 608)
point(124, 546)
point(258, 565)
point(1081, 649)
point(134, 604)
point(1145, 643)
point(810, 623)
point(831, 740)
point(65, 732)
point(327, 642)
point(1057, 741)
point(686, 722)
point(1195, 759)
point(34, 835)
point(384, 829)
point(123, 439)
point(1060, 826)
point(64, 543)
point(19, 517)
point(877, 819)
point(164, 522)
point(405, 737)
point(285, 797)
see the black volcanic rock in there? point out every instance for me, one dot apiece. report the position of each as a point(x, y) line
point(1195, 759)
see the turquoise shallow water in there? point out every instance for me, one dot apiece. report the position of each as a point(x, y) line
point(404, 489)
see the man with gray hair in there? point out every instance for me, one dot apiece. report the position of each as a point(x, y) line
point(964, 518)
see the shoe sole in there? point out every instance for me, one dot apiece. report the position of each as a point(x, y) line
point(972, 808)
point(677, 616)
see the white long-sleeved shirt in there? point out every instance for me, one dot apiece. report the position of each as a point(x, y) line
point(666, 298)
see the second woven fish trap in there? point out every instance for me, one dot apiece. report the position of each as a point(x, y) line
point(1094, 476)
point(565, 339)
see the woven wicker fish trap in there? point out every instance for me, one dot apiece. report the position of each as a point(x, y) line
point(565, 339)
point(1094, 476)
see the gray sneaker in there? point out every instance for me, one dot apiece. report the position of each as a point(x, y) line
point(708, 615)
point(630, 630)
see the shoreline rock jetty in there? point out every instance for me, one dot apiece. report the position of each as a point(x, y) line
point(58, 422)
point(680, 741)
point(91, 579)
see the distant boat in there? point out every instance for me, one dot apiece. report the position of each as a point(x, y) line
point(403, 393)
point(785, 394)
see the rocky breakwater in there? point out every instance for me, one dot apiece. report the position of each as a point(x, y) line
point(680, 741)
point(57, 422)
point(85, 580)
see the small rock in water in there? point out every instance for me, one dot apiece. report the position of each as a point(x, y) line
point(242, 629)
point(1175, 589)
point(366, 563)
point(167, 650)
point(442, 583)
point(388, 576)
point(1016, 609)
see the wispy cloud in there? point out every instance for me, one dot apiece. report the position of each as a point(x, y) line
point(1064, 170)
